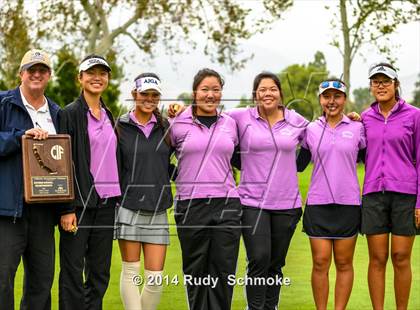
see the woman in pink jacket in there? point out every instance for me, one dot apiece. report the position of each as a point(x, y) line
point(391, 203)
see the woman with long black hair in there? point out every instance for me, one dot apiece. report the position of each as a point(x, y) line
point(87, 224)
point(391, 201)
point(142, 223)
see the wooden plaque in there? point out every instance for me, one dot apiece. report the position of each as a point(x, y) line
point(47, 169)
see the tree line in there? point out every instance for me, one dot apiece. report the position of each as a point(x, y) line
point(71, 29)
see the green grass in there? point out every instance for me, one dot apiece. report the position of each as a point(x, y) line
point(298, 268)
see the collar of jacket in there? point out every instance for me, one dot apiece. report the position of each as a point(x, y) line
point(125, 119)
point(399, 105)
point(345, 120)
point(85, 107)
point(187, 116)
point(53, 107)
point(256, 113)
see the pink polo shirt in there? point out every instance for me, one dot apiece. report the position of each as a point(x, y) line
point(334, 154)
point(204, 155)
point(146, 128)
point(268, 158)
point(103, 155)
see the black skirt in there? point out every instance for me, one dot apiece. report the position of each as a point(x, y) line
point(332, 221)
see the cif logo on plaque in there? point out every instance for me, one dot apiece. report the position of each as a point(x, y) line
point(57, 152)
point(47, 169)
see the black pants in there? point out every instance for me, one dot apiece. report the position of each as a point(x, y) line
point(87, 252)
point(32, 239)
point(267, 236)
point(209, 233)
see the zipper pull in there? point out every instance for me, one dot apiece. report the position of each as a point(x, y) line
point(14, 218)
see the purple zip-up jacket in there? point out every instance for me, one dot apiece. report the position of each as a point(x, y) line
point(393, 150)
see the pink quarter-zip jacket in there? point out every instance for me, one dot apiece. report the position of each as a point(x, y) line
point(393, 150)
point(204, 154)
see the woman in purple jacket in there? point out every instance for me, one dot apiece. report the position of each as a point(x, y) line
point(391, 190)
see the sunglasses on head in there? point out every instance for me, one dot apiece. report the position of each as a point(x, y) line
point(334, 84)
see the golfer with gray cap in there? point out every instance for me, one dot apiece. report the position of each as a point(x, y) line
point(26, 231)
point(391, 203)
